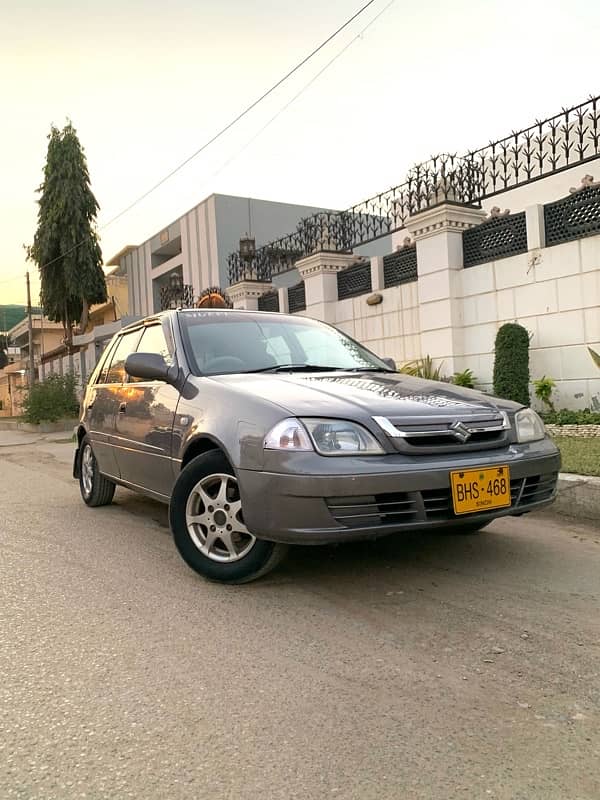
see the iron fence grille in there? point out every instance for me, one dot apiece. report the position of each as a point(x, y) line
point(176, 297)
point(495, 238)
point(573, 217)
point(571, 137)
point(400, 267)
point(297, 297)
point(354, 280)
point(269, 301)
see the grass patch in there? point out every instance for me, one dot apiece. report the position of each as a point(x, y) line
point(579, 455)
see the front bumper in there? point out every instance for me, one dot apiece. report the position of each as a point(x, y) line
point(369, 498)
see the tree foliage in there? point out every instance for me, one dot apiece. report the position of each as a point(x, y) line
point(511, 364)
point(66, 248)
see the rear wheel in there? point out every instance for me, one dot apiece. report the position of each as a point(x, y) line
point(208, 526)
point(96, 490)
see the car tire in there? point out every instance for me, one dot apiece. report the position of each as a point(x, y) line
point(465, 528)
point(205, 515)
point(96, 490)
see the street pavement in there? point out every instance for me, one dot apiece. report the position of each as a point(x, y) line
point(414, 668)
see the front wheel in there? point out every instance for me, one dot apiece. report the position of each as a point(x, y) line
point(208, 526)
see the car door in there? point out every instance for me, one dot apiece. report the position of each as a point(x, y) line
point(100, 412)
point(144, 423)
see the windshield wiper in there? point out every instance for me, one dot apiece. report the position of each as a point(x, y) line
point(296, 368)
point(369, 369)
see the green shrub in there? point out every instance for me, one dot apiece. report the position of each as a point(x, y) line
point(511, 364)
point(464, 378)
point(51, 400)
point(423, 368)
point(567, 417)
point(543, 391)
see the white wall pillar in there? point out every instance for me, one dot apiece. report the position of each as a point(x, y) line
point(245, 294)
point(283, 299)
point(319, 273)
point(536, 229)
point(377, 282)
point(438, 235)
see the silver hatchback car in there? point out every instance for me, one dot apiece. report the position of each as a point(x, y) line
point(262, 430)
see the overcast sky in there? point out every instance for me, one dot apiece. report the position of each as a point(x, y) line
point(147, 82)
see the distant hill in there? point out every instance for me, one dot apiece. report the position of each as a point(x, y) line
point(11, 315)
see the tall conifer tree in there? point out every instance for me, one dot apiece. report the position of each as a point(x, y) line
point(66, 248)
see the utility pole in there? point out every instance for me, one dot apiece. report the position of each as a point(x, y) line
point(30, 326)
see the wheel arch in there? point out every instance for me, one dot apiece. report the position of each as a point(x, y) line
point(203, 444)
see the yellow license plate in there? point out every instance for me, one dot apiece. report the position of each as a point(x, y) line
point(480, 489)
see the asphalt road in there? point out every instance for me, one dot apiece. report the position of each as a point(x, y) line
point(424, 666)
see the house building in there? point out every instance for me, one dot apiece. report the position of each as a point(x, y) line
point(193, 250)
point(117, 304)
point(46, 336)
point(13, 380)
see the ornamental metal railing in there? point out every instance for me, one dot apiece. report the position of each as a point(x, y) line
point(400, 267)
point(549, 146)
point(573, 217)
point(498, 237)
point(297, 298)
point(176, 297)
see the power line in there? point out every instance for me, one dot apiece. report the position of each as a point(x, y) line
point(219, 133)
point(284, 108)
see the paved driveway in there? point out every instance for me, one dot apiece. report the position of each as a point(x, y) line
point(424, 666)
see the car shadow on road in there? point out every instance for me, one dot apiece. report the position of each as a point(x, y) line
point(490, 551)
point(498, 548)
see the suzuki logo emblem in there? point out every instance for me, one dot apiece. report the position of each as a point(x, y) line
point(460, 431)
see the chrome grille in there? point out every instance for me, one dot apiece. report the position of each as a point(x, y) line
point(446, 434)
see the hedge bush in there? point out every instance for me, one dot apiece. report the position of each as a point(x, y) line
point(52, 399)
point(511, 364)
point(567, 417)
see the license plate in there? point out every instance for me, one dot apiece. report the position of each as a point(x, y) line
point(480, 489)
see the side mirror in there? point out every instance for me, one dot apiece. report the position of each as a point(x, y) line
point(149, 367)
point(389, 361)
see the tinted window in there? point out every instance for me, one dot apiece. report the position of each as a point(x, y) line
point(154, 341)
point(126, 346)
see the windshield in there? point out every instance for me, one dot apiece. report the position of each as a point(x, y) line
point(226, 342)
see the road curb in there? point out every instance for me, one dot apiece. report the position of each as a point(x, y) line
point(578, 496)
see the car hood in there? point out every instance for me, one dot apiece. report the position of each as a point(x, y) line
point(343, 394)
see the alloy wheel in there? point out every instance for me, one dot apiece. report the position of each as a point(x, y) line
point(214, 519)
point(87, 470)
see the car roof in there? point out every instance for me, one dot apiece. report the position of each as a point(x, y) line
point(161, 315)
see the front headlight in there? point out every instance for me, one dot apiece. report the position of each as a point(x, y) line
point(337, 437)
point(289, 434)
point(529, 426)
point(329, 437)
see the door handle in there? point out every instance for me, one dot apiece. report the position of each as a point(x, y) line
point(90, 405)
point(122, 408)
